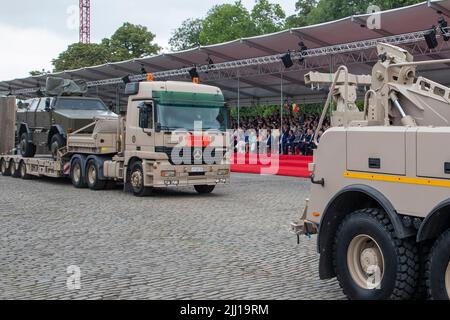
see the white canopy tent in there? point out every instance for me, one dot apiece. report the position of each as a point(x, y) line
point(249, 71)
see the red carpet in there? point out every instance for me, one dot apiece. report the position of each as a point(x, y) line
point(293, 166)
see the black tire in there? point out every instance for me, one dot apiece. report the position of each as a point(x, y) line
point(27, 149)
point(424, 250)
point(56, 142)
point(399, 257)
point(204, 189)
point(76, 174)
point(92, 177)
point(15, 173)
point(23, 171)
point(137, 180)
point(438, 269)
point(4, 168)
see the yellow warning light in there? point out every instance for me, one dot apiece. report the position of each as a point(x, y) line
point(316, 214)
point(196, 80)
point(150, 77)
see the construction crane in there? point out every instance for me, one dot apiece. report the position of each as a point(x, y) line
point(85, 21)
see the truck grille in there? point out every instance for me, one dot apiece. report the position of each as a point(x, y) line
point(197, 156)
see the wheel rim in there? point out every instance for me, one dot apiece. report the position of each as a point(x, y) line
point(13, 168)
point(76, 173)
point(3, 166)
point(136, 179)
point(92, 175)
point(365, 262)
point(55, 148)
point(23, 170)
point(447, 280)
point(23, 145)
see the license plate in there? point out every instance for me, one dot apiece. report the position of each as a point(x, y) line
point(197, 169)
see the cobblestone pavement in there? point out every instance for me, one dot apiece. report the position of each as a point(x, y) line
point(233, 244)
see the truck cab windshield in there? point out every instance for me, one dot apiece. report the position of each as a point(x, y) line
point(173, 117)
point(80, 104)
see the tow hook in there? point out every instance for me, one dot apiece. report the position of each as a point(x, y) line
point(314, 181)
point(303, 226)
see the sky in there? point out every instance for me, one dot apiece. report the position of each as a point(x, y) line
point(35, 32)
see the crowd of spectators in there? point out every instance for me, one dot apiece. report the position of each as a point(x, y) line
point(267, 135)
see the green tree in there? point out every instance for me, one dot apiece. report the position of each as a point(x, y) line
point(328, 10)
point(79, 55)
point(187, 36)
point(227, 22)
point(268, 17)
point(303, 8)
point(131, 41)
point(42, 72)
point(128, 42)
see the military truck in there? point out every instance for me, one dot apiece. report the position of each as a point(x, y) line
point(174, 135)
point(380, 199)
point(43, 123)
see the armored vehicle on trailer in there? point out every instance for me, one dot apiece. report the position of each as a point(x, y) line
point(44, 123)
point(174, 135)
point(380, 198)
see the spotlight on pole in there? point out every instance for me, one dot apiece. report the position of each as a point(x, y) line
point(287, 60)
point(302, 49)
point(210, 64)
point(194, 75)
point(430, 38)
point(443, 26)
point(126, 79)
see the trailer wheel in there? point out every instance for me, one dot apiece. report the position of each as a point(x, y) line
point(92, 177)
point(76, 174)
point(23, 171)
point(137, 180)
point(27, 149)
point(14, 172)
point(204, 189)
point(6, 172)
point(438, 269)
point(56, 143)
point(371, 262)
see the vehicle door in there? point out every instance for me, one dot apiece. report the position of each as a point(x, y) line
point(43, 114)
point(141, 130)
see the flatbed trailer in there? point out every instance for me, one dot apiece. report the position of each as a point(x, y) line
point(136, 151)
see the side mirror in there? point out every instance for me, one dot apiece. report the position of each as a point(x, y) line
point(158, 127)
point(47, 105)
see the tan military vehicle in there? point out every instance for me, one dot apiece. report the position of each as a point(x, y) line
point(380, 199)
point(174, 135)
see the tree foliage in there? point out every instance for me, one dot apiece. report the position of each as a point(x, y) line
point(267, 17)
point(187, 36)
point(227, 22)
point(79, 55)
point(128, 42)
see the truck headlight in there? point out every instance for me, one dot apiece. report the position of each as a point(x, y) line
point(168, 173)
point(223, 172)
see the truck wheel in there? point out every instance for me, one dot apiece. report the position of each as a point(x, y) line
point(76, 174)
point(27, 149)
point(4, 167)
point(57, 142)
point(92, 177)
point(204, 189)
point(371, 262)
point(14, 172)
point(23, 171)
point(438, 269)
point(137, 180)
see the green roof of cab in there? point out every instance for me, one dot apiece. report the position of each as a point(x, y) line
point(189, 98)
